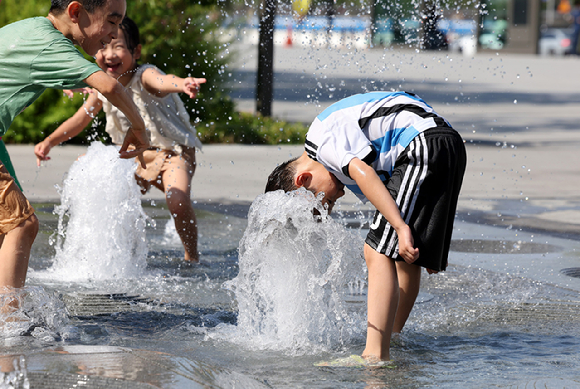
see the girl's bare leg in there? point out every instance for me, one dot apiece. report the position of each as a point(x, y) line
point(177, 188)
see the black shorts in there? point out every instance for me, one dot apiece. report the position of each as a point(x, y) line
point(425, 185)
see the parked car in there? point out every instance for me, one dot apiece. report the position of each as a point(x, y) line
point(493, 34)
point(407, 32)
point(555, 41)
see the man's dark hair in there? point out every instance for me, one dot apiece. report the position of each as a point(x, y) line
point(59, 6)
point(131, 33)
point(283, 177)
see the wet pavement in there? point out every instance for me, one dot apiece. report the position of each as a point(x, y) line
point(536, 256)
point(114, 368)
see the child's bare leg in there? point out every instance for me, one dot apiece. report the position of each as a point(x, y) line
point(409, 277)
point(15, 253)
point(177, 186)
point(15, 248)
point(383, 298)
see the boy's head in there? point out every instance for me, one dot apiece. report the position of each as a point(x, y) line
point(119, 57)
point(89, 23)
point(283, 177)
point(309, 174)
point(59, 6)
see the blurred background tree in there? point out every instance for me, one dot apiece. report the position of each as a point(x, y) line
point(178, 36)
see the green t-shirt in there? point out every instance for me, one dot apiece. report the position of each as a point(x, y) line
point(35, 56)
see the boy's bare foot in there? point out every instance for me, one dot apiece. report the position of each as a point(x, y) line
point(358, 362)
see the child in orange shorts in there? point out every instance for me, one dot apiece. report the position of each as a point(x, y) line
point(37, 54)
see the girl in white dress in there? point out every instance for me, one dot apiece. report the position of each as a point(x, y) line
point(171, 159)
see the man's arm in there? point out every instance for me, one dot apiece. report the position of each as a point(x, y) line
point(118, 96)
point(373, 188)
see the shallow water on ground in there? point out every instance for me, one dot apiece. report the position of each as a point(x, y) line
point(470, 328)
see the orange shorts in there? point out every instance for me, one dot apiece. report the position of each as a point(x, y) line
point(14, 207)
point(158, 161)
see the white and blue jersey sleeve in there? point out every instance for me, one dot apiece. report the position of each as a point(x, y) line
point(375, 127)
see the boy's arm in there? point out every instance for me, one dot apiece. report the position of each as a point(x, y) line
point(70, 128)
point(118, 96)
point(162, 84)
point(373, 188)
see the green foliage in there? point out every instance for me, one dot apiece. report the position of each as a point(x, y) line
point(11, 11)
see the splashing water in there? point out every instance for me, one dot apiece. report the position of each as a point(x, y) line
point(170, 235)
point(295, 272)
point(32, 310)
point(105, 234)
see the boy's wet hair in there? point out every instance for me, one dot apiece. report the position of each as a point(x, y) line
point(59, 6)
point(131, 33)
point(283, 177)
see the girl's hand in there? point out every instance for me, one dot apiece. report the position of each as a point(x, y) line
point(41, 150)
point(70, 92)
point(191, 86)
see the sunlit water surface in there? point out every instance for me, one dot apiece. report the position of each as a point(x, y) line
point(273, 294)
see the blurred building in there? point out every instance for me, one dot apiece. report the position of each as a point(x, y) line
point(523, 26)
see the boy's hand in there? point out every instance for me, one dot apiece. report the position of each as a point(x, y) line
point(406, 245)
point(191, 86)
point(141, 143)
point(41, 150)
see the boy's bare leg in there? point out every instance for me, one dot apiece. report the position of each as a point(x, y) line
point(177, 186)
point(15, 249)
point(409, 277)
point(383, 298)
point(15, 253)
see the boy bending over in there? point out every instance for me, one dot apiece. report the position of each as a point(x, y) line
point(36, 54)
point(391, 149)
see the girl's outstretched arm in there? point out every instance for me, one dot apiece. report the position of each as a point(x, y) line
point(162, 84)
point(70, 128)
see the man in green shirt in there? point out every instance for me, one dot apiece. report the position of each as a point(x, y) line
point(36, 54)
